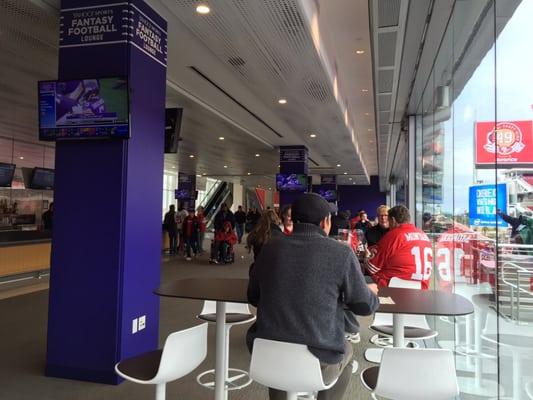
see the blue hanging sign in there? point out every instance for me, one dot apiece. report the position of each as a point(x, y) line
point(484, 200)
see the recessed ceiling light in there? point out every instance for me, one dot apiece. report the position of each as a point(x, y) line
point(173, 167)
point(353, 183)
point(364, 90)
point(249, 173)
point(191, 156)
point(199, 176)
point(345, 173)
point(257, 154)
point(282, 101)
point(225, 166)
point(359, 52)
point(313, 135)
point(204, 174)
point(369, 129)
point(279, 166)
point(349, 179)
point(269, 188)
point(338, 165)
point(202, 9)
point(221, 138)
point(22, 158)
point(367, 114)
point(371, 141)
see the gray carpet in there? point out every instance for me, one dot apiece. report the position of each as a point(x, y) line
point(23, 346)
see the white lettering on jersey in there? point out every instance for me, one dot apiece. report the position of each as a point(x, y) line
point(412, 236)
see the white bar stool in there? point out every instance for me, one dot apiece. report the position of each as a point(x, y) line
point(183, 352)
point(236, 314)
point(413, 374)
point(288, 367)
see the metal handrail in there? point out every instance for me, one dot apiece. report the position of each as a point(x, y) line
point(213, 189)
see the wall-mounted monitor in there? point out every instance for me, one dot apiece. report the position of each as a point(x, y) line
point(42, 179)
point(6, 174)
point(291, 182)
point(329, 195)
point(185, 194)
point(84, 108)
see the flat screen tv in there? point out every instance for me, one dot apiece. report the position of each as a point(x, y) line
point(291, 182)
point(84, 108)
point(42, 179)
point(329, 195)
point(184, 194)
point(6, 174)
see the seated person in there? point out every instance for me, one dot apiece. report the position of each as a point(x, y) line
point(225, 239)
point(300, 285)
point(405, 252)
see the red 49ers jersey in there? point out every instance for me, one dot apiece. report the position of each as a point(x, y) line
point(404, 252)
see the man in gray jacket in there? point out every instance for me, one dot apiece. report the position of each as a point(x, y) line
point(301, 284)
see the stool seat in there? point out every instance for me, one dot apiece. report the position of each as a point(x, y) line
point(369, 377)
point(143, 367)
point(231, 318)
point(410, 332)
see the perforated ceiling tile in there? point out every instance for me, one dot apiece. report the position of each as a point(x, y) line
point(387, 49)
point(388, 12)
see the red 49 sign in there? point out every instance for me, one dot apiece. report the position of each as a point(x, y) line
point(509, 143)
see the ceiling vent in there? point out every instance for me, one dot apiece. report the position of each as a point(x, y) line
point(388, 13)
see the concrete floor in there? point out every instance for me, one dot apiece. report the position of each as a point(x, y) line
point(23, 345)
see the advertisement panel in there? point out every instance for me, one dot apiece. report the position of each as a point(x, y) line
point(509, 143)
point(484, 200)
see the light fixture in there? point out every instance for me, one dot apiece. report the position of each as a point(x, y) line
point(313, 135)
point(345, 173)
point(279, 166)
point(249, 173)
point(359, 52)
point(199, 176)
point(367, 114)
point(350, 179)
point(282, 101)
point(371, 141)
point(269, 188)
point(225, 166)
point(338, 165)
point(21, 158)
point(191, 156)
point(173, 167)
point(369, 129)
point(364, 90)
point(202, 9)
point(221, 138)
point(204, 174)
point(257, 154)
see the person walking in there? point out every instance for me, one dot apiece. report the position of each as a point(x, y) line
point(190, 234)
point(201, 229)
point(240, 221)
point(170, 225)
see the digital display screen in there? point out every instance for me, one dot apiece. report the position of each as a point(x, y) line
point(87, 108)
point(328, 195)
point(291, 182)
point(184, 194)
point(42, 179)
point(6, 174)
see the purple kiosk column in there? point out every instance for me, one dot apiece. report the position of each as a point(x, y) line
point(292, 160)
point(107, 219)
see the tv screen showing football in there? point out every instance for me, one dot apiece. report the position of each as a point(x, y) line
point(291, 182)
point(85, 108)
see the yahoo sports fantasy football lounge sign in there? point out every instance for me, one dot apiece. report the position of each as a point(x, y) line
point(507, 143)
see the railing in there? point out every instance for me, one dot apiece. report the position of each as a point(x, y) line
point(203, 201)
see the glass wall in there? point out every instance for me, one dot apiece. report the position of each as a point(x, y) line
point(20, 206)
point(474, 193)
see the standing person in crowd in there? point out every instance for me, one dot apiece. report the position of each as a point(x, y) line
point(180, 217)
point(224, 215)
point(201, 229)
point(301, 284)
point(405, 252)
point(286, 220)
point(240, 221)
point(170, 225)
point(521, 227)
point(363, 224)
point(267, 227)
point(374, 234)
point(190, 234)
point(48, 218)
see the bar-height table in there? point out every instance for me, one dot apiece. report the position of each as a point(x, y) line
point(222, 290)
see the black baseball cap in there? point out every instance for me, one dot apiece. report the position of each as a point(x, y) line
point(311, 208)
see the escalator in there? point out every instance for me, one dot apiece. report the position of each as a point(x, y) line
point(219, 194)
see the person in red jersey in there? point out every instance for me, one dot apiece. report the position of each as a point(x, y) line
point(405, 252)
